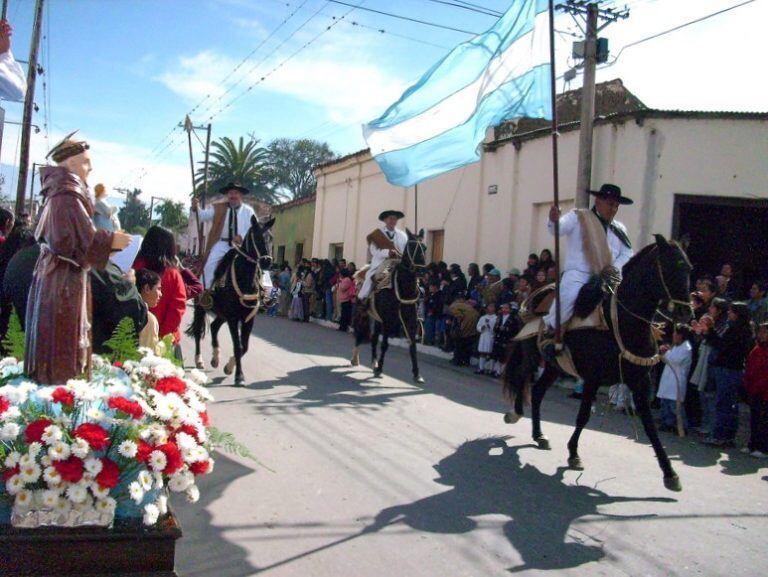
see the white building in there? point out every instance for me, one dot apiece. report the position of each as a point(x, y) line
point(702, 174)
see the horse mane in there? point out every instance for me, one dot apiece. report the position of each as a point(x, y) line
point(633, 263)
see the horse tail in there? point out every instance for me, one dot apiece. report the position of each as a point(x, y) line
point(519, 369)
point(361, 324)
point(196, 328)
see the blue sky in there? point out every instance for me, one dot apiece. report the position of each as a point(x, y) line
point(125, 72)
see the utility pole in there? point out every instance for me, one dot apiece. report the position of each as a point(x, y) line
point(29, 104)
point(190, 128)
point(31, 211)
point(5, 10)
point(588, 50)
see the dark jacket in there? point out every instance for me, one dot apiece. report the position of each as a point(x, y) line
point(732, 346)
point(114, 298)
point(433, 304)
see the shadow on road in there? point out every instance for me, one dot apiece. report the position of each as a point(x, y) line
point(204, 550)
point(487, 478)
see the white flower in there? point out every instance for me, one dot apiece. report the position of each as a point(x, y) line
point(162, 503)
point(96, 414)
point(85, 506)
point(24, 500)
point(198, 377)
point(107, 505)
point(193, 494)
point(98, 491)
point(49, 499)
point(136, 492)
point(9, 431)
point(145, 480)
point(51, 476)
point(83, 390)
point(59, 451)
point(185, 441)
point(46, 461)
point(80, 448)
point(30, 473)
point(93, 465)
point(128, 449)
point(157, 460)
point(151, 513)
point(14, 485)
point(159, 483)
point(63, 506)
point(12, 459)
point(77, 493)
point(181, 481)
point(27, 460)
point(11, 414)
point(34, 449)
point(52, 434)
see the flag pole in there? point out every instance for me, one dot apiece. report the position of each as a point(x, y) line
point(555, 177)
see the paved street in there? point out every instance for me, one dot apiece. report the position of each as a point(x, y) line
point(384, 478)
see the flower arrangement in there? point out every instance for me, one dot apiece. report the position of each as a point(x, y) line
point(89, 449)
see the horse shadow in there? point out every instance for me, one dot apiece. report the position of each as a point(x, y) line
point(205, 550)
point(335, 386)
point(487, 477)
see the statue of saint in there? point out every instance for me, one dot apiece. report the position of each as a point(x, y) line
point(58, 316)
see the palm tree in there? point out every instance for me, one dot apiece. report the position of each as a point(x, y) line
point(244, 163)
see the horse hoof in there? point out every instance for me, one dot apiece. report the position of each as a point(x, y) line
point(418, 379)
point(377, 373)
point(239, 382)
point(575, 464)
point(673, 483)
point(215, 358)
point(512, 417)
point(229, 368)
point(543, 443)
point(199, 364)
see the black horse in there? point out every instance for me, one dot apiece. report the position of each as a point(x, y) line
point(396, 307)
point(236, 296)
point(658, 275)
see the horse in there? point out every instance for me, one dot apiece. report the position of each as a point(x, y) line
point(394, 308)
point(236, 297)
point(658, 275)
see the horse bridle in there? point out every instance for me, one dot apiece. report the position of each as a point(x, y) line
point(419, 248)
point(671, 302)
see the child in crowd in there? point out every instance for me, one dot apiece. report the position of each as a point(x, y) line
point(486, 326)
point(297, 302)
point(274, 299)
point(148, 284)
point(677, 364)
point(756, 386)
point(434, 325)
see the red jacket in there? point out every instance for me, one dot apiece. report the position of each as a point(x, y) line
point(173, 303)
point(756, 373)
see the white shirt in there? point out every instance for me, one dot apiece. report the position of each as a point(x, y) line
point(575, 259)
point(244, 214)
point(13, 81)
point(674, 378)
point(379, 255)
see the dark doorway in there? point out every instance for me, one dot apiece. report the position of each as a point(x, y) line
point(724, 230)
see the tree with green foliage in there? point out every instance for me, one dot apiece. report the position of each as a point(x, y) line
point(243, 162)
point(134, 213)
point(292, 164)
point(172, 214)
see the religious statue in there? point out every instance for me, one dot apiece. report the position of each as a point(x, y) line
point(58, 316)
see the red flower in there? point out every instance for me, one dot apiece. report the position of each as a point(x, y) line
point(70, 470)
point(95, 435)
point(205, 418)
point(200, 467)
point(117, 364)
point(173, 457)
point(5, 404)
point(144, 451)
point(189, 430)
point(126, 406)
point(35, 430)
point(63, 396)
point(8, 473)
point(171, 385)
point(110, 474)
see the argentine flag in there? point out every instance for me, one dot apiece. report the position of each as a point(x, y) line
point(439, 123)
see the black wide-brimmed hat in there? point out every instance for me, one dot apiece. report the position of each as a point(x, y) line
point(611, 192)
point(387, 213)
point(233, 186)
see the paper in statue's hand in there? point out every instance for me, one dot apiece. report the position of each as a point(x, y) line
point(124, 258)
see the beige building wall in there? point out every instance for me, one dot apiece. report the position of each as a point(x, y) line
point(652, 160)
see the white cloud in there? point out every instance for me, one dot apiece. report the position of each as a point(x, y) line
point(198, 76)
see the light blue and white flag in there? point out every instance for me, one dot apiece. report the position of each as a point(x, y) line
point(439, 123)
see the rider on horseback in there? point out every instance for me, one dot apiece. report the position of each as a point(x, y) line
point(384, 243)
point(587, 252)
point(231, 223)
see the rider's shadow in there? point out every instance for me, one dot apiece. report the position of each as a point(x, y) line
point(487, 478)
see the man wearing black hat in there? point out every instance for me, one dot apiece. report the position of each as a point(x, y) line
point(595, 241)
point(385, 242)
point(231, 222)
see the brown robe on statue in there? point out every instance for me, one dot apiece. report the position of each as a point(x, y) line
point(59, 307)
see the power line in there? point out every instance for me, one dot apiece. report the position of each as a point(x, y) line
point(479, 10)
point(407, 18)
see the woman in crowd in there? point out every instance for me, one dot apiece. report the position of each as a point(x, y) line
point(714, 320)
point(475, 280)
point(758, 304)
point(731, 347)
point(6, 223)
point(296, 313)
point(532, 267)
point(756, 387)
point(346, 296)
point(546, 261)
point(540, 279)
point(158, 254)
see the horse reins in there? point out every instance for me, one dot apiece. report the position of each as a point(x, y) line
point(252, 300)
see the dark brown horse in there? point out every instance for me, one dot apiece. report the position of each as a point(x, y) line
point(396, 307)
point(657, 275)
